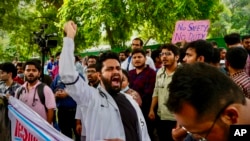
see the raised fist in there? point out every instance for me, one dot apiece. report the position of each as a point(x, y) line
point(70, 29)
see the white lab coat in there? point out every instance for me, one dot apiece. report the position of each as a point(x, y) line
point(100, 113)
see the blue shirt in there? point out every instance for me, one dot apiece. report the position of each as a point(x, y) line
point(66, 102)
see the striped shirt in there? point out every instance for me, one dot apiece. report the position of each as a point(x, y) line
point(243, 80)
point(8, 89)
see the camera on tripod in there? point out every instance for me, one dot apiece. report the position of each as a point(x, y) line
point(44, 40)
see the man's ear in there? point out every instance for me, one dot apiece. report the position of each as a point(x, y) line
point(230, 115)
point(99, 75)
point(39, 73)
point(177, 57)
point(201, 59)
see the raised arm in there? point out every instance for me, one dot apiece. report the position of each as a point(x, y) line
point(76, 87)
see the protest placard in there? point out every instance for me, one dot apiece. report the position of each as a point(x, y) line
point(27, 125)
point(190, 30)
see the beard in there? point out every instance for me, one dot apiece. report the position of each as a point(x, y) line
point(112, 90)
point(31, 80)
point(140, 66)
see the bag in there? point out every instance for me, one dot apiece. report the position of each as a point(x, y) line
point(39, 89)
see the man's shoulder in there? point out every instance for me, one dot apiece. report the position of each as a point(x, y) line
point(160, 70)
point(150, 69)
point(2, 83)
point(149, 59)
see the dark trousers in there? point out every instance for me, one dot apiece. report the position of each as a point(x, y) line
point(67, 122)
point(150, 124)
point(164, 129)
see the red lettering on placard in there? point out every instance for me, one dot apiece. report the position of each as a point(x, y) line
point(23, 133)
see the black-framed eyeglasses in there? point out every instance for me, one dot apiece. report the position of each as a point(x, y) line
point(212, 126)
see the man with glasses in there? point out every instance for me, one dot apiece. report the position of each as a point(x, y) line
point(92, 76)
point(195, 51)
point(206, 102)
point(165, 120)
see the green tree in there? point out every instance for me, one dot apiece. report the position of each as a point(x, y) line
point(119, 18)
point(235, 18)
point(99, 21)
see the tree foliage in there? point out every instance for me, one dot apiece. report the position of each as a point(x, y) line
point(235, 18)
point(119, 18)
point(99, 21)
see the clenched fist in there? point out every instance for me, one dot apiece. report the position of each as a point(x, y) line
point(70, 29)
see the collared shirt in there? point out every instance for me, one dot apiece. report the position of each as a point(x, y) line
point(242, 80)
point(247, 66)
point(161, 91)
point(8, 89)
point(30, 97)
point(143, 83)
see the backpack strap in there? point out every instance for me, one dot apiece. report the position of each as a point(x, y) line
point(19, 91)
point(40, 92)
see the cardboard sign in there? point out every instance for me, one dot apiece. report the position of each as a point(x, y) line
point(190, 30)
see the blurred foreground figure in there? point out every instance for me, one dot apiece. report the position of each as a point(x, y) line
point(206, 102)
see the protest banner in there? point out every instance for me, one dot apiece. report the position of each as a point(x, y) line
point(190, 30)
point(4, 120)
point(27, 125)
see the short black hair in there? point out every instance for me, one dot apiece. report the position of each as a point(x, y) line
point(202, 48)
point(58, 53)
point(93, 57)
point(139, 50)
point(9, 68)
point(20, 64)
point(139, 39)
point(77, 58)
point(125, 73)
point(214, 43)
point(128, 51)
point(103, 57)
point(155, 54)
point(245, 37)
point(205, 88)
point(172, 48)
point(124, 52)
point(231, 39)
point(236, 57)
point(182, 54)
point(92, 66)
point(216, 56)
point(35, 63)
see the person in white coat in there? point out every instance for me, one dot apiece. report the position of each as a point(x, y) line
point(106, 113)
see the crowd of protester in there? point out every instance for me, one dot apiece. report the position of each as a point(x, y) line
point(186, 92)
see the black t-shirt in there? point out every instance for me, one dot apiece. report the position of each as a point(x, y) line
point(129, 117)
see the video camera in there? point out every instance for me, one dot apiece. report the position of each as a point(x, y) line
point(43, 40)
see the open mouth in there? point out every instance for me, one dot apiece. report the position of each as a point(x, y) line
point(116, 81)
